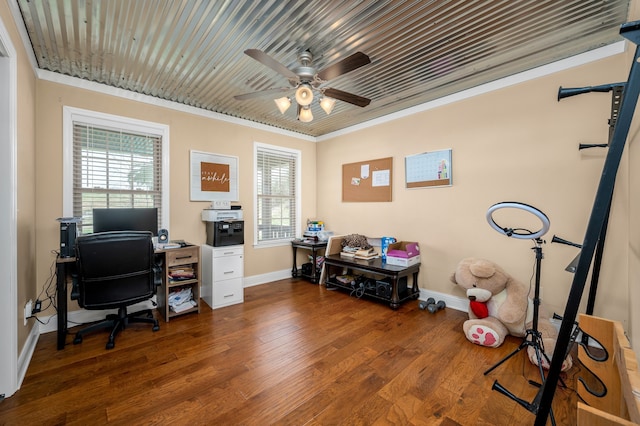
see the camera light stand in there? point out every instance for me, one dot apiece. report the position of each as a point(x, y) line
point(532, 337)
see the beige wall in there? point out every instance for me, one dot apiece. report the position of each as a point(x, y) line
point(26, 227)
point(187, 132)
point(514, 144)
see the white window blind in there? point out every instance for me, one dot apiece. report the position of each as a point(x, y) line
point(114, 168)
point(277, 198)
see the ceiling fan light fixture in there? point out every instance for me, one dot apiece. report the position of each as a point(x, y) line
point(304, 95)
point(283, 104)
point(327, 104)
point(305, 115)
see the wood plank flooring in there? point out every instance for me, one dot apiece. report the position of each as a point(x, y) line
point(293, 354)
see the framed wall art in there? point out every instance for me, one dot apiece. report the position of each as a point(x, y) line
point(213, 177)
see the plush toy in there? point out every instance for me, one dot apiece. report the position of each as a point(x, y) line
point(500, 305)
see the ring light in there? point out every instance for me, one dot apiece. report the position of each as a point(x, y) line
point(518, 232)
point(532, 335)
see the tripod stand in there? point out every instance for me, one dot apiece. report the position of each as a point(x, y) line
point(532, 337)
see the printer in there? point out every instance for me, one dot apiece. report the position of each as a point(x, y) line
point(224, 227)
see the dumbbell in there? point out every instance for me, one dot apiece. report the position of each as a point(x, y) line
point(435, 307)
point(424, 304)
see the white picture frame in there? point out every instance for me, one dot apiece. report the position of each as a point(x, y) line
point(213, 177)
point(428, 169)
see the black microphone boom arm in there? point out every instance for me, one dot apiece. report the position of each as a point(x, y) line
point(616, 101)
point(572, 91)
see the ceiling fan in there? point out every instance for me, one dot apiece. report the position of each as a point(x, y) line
point(306, 79)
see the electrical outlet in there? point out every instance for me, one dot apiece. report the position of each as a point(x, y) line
point(28, 308)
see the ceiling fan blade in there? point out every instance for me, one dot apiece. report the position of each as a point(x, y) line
point(347, 97)
point(344, 66)
point(261, 93)
point(267, 60)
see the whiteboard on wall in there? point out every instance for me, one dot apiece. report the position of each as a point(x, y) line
point(428, 169)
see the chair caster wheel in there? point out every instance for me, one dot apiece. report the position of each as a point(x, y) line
point(77, 340)
point(110, 345)
point(156, 328)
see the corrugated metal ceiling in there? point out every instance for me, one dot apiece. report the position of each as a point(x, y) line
point(191, 51)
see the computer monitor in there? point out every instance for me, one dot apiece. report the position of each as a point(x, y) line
point(126, 219)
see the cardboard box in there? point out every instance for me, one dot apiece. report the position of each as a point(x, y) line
point(403, 253)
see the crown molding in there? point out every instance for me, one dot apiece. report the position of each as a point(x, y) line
point(532, 74)
point(150, 100)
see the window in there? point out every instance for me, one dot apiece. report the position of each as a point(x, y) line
point(277, 179)
point(113, 161)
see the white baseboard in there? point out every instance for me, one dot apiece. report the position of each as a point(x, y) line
point(453, 302)
point(84, 316)
point(267, 278)
point(462, 304)
point(24, 359)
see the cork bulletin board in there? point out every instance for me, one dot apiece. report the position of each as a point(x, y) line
point(367, 181)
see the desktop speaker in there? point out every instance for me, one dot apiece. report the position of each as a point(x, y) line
point(383, 288)
point(68, 234)
point(163, 236)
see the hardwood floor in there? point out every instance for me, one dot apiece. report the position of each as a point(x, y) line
point(293, 354)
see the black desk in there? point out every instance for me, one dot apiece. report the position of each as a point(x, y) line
point(314, 246)
point(65, 266)
point(335, 265)
point(188, 255)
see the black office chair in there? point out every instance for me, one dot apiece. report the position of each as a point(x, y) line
point(115, 270)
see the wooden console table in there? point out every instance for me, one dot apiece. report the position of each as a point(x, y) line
point(377, 270)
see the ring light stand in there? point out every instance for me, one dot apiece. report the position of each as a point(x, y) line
point(519, 233)
point(532, 336)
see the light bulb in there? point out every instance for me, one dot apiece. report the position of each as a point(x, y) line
point(327, 104)
point(305, 115)
point(283, 104)
point(304, 95)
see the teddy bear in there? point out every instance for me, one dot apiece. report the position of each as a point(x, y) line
point(500, 305)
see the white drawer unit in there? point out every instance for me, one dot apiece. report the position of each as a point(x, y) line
point(227, 292)
point(222, 275)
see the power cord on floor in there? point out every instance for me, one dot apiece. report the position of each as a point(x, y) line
point(47, 294)
point(358, 289)
point(361, 286)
